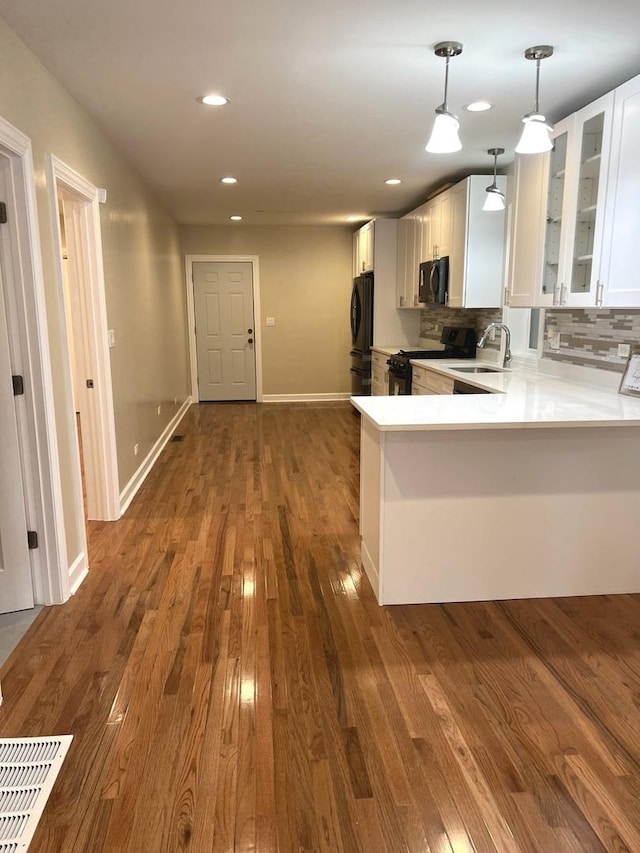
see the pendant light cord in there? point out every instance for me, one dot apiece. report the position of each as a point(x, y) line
point(537, 106)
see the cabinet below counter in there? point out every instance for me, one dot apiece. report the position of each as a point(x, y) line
point(529, 493)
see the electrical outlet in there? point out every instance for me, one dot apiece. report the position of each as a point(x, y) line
point(270, 321)
point(112, 338)
point(492, 335)
point(175, 401)
point(136, 448)
point(159, 409)
point(554, 340)
point(624, 350)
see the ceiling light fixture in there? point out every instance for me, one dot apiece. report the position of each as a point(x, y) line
point(535, 134)
point(495, 197)
point(228, 180)
point(478, 107)
point(213, 100)
point(236, 217)
point(444, 137)
point(393, 181)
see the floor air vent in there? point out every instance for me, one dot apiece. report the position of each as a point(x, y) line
point(177, 438)
point(28, 769)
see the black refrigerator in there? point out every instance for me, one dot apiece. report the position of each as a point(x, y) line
point(361, 333)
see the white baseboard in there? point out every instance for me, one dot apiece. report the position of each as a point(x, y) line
point(304, 398)
point(371, 570)
point(78, 570)
point(131, 489)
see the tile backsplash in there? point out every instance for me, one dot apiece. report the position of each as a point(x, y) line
point(590, 337)
point(433, 319)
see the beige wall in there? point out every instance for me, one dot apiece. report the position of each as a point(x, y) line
point(305, 283)
point(144, 281)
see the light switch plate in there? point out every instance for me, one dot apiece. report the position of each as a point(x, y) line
point(554, 340)
point(271, 321)
point(112, 338)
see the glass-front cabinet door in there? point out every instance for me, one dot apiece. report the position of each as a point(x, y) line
point(575, 206)
point(593, 132)
point(554, 234)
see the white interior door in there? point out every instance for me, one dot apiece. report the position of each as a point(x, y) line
point(16, 588)
point(225, 330)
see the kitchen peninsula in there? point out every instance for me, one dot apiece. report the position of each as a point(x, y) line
point(530, 491)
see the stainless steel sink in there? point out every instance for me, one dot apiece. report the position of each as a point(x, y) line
point(477, 369)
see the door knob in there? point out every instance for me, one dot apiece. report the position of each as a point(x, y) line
point(249, 331)
point(250, 340)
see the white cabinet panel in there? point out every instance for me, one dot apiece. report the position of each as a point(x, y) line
point(477, 246)
point(619, 280)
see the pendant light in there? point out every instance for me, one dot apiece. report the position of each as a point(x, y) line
point(444, 137)
point(495, 197)
point(535, 134)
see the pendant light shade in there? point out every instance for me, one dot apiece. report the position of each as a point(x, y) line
point(444, 137)
point(495, 197)
point(535, 135)
point(536, 131)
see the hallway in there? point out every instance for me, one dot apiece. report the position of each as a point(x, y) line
point(232, 684)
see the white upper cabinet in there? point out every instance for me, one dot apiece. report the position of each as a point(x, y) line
point(440, 208)
point(402, 277)
point(476, 245)
point(409, 257)
point(558, 245)
point(586, 195)
point(526, 229)
point(364, 249)
point(619, 282)
point(435, 230)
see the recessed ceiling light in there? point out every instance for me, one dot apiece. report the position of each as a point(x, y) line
point(478, 106)
point(393, 181)
point(236, 217)
point(228, 180)
point(213, 100)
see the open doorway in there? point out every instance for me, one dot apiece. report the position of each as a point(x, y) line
point(81, 281)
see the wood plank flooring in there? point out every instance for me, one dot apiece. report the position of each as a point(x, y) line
point(232, 684)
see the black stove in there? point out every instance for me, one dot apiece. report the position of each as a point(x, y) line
point(459, 342)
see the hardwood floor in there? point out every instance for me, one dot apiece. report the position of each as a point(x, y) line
point(232, 684)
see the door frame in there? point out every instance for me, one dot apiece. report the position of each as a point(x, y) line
point(99, 435)
point(191, 315)
point(52, 583)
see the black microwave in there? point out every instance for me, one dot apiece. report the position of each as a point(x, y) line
point(433, 284)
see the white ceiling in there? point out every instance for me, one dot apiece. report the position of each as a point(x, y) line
point(327, 99)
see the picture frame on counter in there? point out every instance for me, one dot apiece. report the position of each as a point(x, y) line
point(630, 383)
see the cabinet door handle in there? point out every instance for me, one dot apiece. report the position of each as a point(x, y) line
point(506, 295)
point(599, 293)
point(563, 294)
point(555, 294)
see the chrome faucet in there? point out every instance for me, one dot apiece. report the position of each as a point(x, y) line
point(507, 333)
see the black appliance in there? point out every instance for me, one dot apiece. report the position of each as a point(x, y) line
point(361, 333)
point(459, 342)
point(433, 282)
point(463, 388)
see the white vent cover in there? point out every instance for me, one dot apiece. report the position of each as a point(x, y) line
point(28, 769)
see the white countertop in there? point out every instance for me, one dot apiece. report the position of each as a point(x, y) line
point(391, 350)
point(520, 399)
